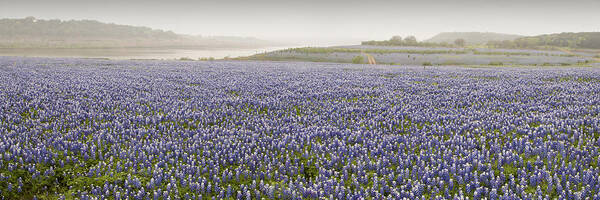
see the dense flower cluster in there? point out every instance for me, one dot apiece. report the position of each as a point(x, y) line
point(94, 129)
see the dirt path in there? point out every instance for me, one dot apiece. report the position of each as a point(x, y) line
point(370, 59)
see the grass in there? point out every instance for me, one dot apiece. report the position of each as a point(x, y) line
point(451, 62)
point(233, 92)
point(501, 53)
point(322, 54)
point(323, 50)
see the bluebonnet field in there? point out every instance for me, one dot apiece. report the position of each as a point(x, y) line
point(96, 129)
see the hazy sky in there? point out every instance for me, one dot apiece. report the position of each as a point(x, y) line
point(343, 20)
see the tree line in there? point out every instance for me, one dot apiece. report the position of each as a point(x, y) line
point(412, 41)
point(38, 33)
point(586, 40)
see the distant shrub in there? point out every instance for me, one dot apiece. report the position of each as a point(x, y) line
point(206, 59)
point(460, 42)
point(427, 64)
point(357, 59)
point(496, 63)
point(186, 59)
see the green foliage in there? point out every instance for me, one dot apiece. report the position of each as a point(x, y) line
point(357, 59)
point(408, 41)
point(471, 38)
point(38, 33)
point(496, 63)
point(185, 59)
point(427, 64)
point(460, 42)
point(233, 92)
point(588, 40)
point(31, 32)
point(32, 27)
point(206, 59)
point(396, 40)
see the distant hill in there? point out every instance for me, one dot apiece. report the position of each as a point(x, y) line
point(36, 33)
point(471, 37)
point(586, 40)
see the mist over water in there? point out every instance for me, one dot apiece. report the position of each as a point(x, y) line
point(140, 53)
point(301, 23)
point(321, 21)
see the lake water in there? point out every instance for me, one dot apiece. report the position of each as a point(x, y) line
point(138, 53)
